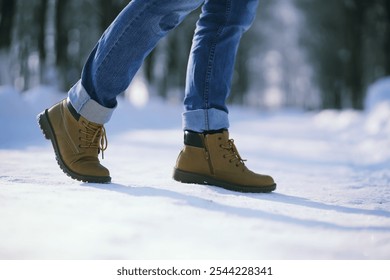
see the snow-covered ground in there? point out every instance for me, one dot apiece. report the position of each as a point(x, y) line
point(332, 199)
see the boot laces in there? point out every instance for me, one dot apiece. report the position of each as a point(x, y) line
point(232, 154)
point(94, 136)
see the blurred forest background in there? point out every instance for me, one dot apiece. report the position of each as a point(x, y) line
point(309, 54)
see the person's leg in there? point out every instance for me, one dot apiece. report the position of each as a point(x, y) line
point(209, 156)
point(75, 126)
point(211, 63)
point(120, 52)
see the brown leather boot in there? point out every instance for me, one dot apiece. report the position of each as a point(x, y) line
point(76, 142)
point(212, 159)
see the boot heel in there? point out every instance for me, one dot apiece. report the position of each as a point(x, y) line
point(189, 178)
point(44, 125)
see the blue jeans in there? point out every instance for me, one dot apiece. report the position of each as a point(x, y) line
point(135, 32)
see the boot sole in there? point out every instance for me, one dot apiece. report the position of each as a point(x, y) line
point(48, 132)
point(193, 178)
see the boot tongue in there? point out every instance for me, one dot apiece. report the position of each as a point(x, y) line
point(219, 131)
point(226, 134)
point(222, 133)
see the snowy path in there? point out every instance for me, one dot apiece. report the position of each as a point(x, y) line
point(332, 200)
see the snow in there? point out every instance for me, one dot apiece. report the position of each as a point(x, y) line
point(332, 199)
point(378, 93)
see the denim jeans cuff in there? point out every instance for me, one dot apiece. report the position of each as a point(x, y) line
point(205, 119)
point(87, 107)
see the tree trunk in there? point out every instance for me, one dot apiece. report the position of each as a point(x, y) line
point(353, 74)
point(61, 42)
point(7, 13)
point(41, 13)
point(41, 17)
point(108, 10)
point(386, 45)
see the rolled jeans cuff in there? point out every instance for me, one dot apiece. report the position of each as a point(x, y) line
point(87, 107)
point(202, 120)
